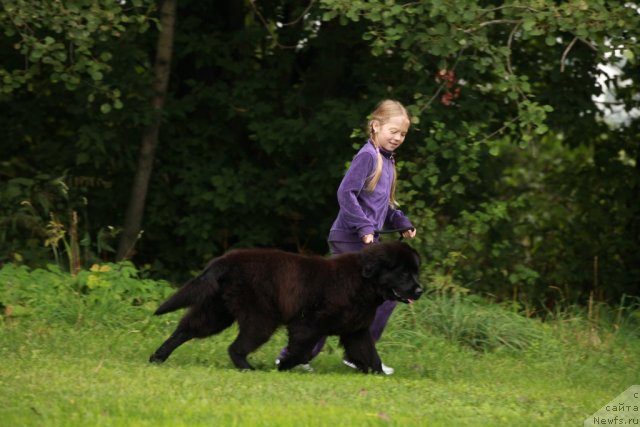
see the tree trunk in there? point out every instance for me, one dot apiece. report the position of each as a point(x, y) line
point(162, 66)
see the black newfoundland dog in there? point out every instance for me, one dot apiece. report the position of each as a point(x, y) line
point(313, 296)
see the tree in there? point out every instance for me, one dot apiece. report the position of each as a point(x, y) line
point(513, 79)
point(72, 75)
point(519, 187)
point(162, 67)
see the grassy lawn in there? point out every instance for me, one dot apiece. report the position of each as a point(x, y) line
point(92, 374)
point(74, 350)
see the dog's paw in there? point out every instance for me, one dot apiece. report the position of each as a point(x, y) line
point(156, 359)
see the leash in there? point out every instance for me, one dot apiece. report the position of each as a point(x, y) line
point(392, 231)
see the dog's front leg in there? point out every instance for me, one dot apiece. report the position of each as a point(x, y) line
point(239, 359)
point(360, 349)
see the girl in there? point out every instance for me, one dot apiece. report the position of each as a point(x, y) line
point(367, 199)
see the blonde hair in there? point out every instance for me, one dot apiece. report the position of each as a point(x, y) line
point(384, 111)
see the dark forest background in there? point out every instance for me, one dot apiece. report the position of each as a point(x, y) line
point(521, 170)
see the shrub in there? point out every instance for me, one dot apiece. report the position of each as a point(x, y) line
point(106, 293)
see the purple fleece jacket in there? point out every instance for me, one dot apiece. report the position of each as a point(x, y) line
point(361, 211)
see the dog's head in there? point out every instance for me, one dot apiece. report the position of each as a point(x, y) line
point(394, 267)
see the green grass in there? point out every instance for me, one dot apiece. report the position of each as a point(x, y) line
point(73, 352)
point(81, 375)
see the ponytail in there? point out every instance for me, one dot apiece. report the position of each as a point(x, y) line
point(372, 181)
point(385, 110)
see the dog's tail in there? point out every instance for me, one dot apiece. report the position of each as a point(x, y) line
point(196, 290)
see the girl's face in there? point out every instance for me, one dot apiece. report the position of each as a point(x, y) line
point(391, 134)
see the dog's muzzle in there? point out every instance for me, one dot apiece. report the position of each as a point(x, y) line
point(408, 299)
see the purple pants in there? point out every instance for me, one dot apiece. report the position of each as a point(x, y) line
point(382, 313)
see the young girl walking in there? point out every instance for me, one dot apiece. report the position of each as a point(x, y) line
point(367, 200)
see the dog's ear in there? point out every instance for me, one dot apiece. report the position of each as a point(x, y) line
point(370, 267)
point(373, 259)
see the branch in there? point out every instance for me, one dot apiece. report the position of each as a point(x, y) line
point(616, 103)
point(500, 21)
point(589, 44)
point(493, 22)
point(273, 33)
point(509, 68)
point(509, 43)
point(566, 52)
point(492, 134)
point(295, 21)
point(495, 9)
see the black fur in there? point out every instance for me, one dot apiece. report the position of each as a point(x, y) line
point(313, 296)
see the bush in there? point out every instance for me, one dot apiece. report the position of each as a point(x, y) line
point(107, 293)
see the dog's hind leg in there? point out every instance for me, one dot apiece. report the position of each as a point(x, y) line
point(253, 333)
point(176, 339)
point(199, 322)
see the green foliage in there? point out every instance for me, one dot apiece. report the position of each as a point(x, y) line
point(105, 293)
point(67, 44)
point(518, 186)
point(44, 208)
point(27, 205)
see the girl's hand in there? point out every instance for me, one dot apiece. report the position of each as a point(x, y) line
point(409, 234)
point(367, 239)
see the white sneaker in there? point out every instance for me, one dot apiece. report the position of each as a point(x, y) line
point(386, 369)
point(305, 367)
point(349, 364)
